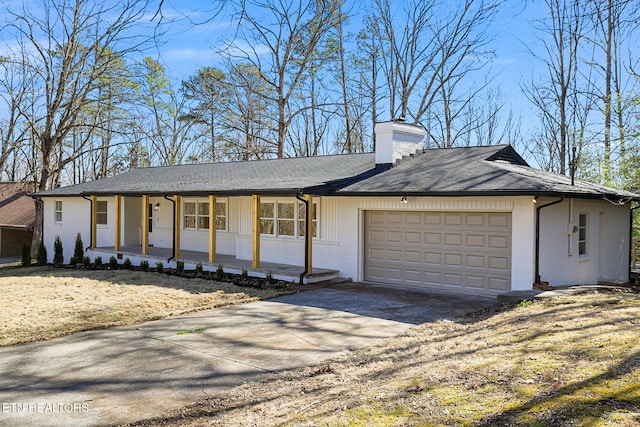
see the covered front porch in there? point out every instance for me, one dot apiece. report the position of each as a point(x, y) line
point(229, 263)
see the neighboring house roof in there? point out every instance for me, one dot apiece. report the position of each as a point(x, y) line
point(16, 207)
point(490, 170)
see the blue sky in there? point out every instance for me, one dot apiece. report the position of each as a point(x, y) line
point(189, 48)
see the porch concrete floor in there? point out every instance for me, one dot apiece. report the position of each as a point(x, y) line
point(230, 263)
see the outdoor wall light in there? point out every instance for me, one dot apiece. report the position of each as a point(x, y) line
point(156, 207)
point(404, 200)
point(535, 199)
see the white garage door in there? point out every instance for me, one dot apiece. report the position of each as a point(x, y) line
point(454, 251)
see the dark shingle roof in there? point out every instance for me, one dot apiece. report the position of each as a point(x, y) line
point(285, 176)
point(492, 170)
point(16, 207)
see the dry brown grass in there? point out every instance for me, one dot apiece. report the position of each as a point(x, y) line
point(573, 360)
point(39, 303)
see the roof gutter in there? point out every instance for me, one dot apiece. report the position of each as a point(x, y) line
point(538, 209)
point(631, 246)
point(90, 222)
point(173, 244)
point(307, 234)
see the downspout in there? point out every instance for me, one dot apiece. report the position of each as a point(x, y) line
point(90, 222)
point(538, 209)
point(307, 232)
point(173, 244)
point(631, 245)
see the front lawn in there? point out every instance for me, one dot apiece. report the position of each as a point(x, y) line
point(40, 303)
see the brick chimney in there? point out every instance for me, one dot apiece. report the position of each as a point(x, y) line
point(395, 140)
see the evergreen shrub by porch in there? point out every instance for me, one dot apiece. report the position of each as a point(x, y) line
point(78, 250)
point(26, 254)
point(42, 253)
point(58, 253)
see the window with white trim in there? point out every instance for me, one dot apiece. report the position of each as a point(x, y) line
point(189, 216)
point(286, 219)
point(196, 215)
point(101, 212)
point(221, 215)
point(582, 234)
point(203, 215)
point(58, 211)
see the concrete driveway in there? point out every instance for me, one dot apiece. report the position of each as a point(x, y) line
point(126, 374)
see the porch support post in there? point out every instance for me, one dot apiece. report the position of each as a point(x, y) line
point(145, 224)
point(308, 233)
point(212, 229)
point(116, 245)
point(176, 226)
point(256, 231)
point(94, 220)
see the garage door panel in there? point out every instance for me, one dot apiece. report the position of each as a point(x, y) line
point(462, 251)
point(476, 261)
point(413, 256)
point(434, 258)
point(413, 237)
point(432, 238)
point(499, 242)
point(500, 263)
point(454, 260)
point(454, 239)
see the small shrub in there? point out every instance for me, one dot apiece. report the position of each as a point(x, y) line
point(127, 263)
point(42, 253)
point(58, 253)
point(113, 263)
point(180, 266)
point(73, 261)
point(268, 277)
point(26, 254)
point(144, 265)
point(98, 261)
point(245, 274)
point(199, 268)
point(86, 261)
point(78, 250)
point(220, 272)
point(159, 267)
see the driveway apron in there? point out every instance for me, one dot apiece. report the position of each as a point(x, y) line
point(125, 374)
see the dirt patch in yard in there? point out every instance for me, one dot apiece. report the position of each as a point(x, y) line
point(572, 360)
point(40, 303)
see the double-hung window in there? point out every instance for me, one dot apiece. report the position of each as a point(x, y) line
point(286, 219)
point(582, 234)
point(196, 216)
point(58, 211)
point(101, 212)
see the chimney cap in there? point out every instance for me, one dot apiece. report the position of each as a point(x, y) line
point(399, 119)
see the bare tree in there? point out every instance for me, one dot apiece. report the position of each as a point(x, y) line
point(283, 38)
point(161, 119)
point(67, 46)
point(429, 48)
point(14, 89)
point(557, 97)
point(612, 24)
point(209, 92)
